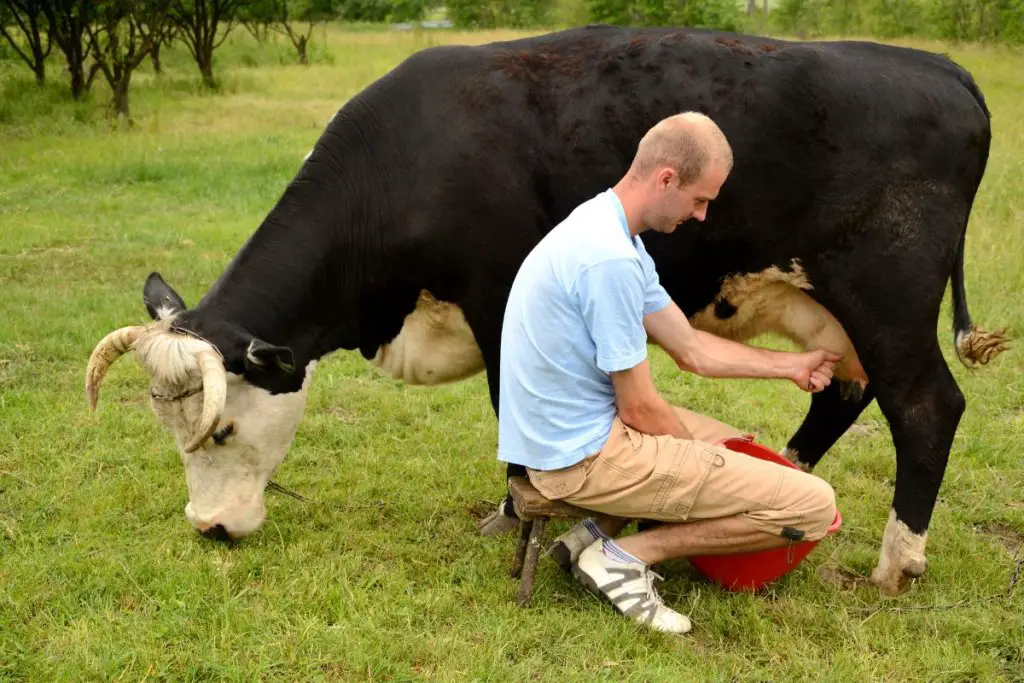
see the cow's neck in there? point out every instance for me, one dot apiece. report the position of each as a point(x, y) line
point(297, 282)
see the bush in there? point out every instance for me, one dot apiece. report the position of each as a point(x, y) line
point(958, 20)
point(721, 14)
point(495, 13)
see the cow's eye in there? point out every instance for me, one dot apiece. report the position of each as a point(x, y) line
point(223, 433)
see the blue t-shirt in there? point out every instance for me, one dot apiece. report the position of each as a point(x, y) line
point(574, 315)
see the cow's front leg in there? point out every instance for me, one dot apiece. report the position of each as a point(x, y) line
point(923, 416)
point(503, 519)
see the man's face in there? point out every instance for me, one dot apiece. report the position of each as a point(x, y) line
point(672, 204)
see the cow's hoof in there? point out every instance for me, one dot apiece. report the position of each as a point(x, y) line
point(792, 455)
point(902, 557)
point(892, 582)
point(497, 523)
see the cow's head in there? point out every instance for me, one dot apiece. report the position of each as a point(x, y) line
point(207, 387)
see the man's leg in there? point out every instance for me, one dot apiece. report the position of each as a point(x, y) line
point(712, 499)
point(566, 549)
point(708, 537)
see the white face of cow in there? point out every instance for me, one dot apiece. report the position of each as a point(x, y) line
point(231, 434)
point(226, 475)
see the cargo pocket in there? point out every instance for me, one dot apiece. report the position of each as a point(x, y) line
point(706, 459)
point(557, 484)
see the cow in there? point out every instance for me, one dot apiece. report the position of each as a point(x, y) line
point(856, 167)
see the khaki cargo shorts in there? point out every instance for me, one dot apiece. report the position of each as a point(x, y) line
point(640, 476)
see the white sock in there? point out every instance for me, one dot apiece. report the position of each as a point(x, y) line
point(613, 552)
point(595, 530)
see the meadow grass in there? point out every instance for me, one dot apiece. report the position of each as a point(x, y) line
point(381, 574)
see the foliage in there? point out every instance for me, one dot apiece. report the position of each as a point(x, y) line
point(29, 40)
point(203, 25)
point(495, 13)
point(957, 20)
point(720, 14)
point(123, 34)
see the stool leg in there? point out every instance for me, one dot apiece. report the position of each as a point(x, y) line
point(530, 565)
point(525, 527)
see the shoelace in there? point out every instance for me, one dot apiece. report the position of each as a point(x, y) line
point(652, 592)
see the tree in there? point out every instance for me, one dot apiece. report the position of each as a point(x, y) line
point(721, 14)
point(28, 15)
point(165, 39)
point(311, 11)
point(203, 25)
point(256, 16)
point(494, 13)
point(122, 34)
point(65, 22)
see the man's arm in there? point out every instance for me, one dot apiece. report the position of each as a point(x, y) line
point(640, 406)
point(711, 356)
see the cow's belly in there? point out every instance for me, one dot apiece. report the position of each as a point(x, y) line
point(776, 301)
point(434, 346)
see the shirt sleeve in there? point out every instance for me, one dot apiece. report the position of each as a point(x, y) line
point(612, 298)
point(655, 296)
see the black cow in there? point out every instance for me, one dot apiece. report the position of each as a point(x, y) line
point(856, 166)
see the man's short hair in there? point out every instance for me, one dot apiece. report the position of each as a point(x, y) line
point(687, 142)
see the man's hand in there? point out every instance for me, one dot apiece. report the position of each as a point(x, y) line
point(812, 371)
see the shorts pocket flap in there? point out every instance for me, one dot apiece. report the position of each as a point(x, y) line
point(557, 484)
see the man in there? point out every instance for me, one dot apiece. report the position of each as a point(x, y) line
point(579, 409)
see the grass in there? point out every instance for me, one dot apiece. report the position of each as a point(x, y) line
point(381, 575)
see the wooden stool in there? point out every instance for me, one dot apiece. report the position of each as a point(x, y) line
point(534, 511)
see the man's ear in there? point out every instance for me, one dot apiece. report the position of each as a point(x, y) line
point(264, 357)
point(161, 301)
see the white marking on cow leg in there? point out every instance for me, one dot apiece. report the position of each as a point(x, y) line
point(793, 455)
point(901, 558)
point(434, 346)
point(775, 301)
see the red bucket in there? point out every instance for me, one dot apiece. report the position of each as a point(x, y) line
point(750, 571)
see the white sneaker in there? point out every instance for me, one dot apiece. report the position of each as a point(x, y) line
point(567, 548)
point(629, 588)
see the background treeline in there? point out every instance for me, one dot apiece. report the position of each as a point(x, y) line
point(110, 39)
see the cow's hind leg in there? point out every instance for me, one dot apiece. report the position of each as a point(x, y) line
point(828, 419)
point(923, 413)
point(891, 313)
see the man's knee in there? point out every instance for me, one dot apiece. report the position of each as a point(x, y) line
point(819, 509)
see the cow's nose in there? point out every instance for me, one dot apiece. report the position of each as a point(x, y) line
point(217, 532)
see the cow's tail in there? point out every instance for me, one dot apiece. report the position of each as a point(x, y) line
point(974, 345)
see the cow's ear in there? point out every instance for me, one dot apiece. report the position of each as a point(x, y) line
point(264, 357)
point(161, 301)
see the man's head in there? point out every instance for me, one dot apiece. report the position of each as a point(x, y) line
point(680, 165)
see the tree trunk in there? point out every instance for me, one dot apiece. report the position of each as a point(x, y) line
point(303, 54)
point(751, 7)
point(40, 71)
point(206, 69)
point(154, 55)
point(78, 85)
point(119, 100)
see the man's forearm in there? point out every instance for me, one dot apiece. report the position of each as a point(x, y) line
point(654, 417)
point(712, 356)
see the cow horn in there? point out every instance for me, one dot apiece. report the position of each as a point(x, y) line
point(110, 348)
point(215, 391)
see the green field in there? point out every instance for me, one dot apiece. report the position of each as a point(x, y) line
point(381, 574)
